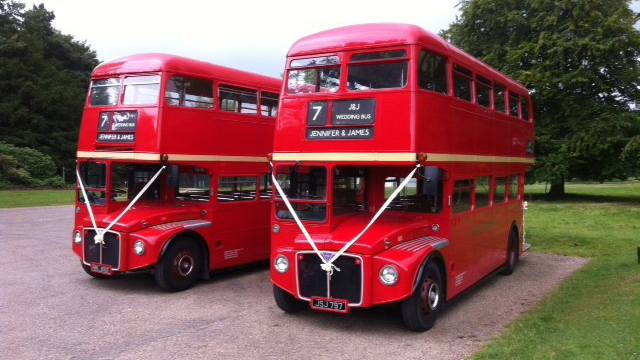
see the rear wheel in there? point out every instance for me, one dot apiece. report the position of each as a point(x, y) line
point(286, 302)
point(512, 254)
point(421, 309)
point(180, 265)
point(87, 269)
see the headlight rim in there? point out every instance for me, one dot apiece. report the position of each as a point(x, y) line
point(143, 246)
point(381, 278)
point(287, 262)
point(77, 235)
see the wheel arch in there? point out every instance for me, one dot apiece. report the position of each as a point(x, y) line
point(439, 260)
point(200, 241)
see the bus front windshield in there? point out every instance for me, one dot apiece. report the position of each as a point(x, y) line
point(306, 188)
point(128, 179)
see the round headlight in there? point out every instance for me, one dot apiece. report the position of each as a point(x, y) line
point(138, 247)
point(388, 275)
point(281, 264)
point(435, 227)
point(77, 238)
point(276, 228)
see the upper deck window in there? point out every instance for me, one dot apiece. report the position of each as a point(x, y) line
point(268, 103)
point(462, 79)
point(189, 92)
point(324, 79)
point(379, 55)
point(525, 109)
point(432, 72)
point(499, 100)
point(105, 91)
point(483, 91)
point(141, 90)
point(514, 104)
point(238, 99)
point(380, 75)
point(323, 60)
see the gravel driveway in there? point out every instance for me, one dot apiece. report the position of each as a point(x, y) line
point(50, 309)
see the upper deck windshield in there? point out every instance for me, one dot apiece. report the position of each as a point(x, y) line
point(365, 71)
point(137, 89)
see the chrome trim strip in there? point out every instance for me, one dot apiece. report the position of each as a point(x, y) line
point(400, 156)
point(124, 155)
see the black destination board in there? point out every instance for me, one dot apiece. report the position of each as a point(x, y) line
point(117, 137)
point(124, 121)
point(325, 133)
point(104, 121)
point(317, 113)
point(353, 112)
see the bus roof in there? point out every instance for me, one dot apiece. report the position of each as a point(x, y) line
point(152, 62)
point(390, 34)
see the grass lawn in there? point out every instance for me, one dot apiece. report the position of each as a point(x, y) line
point(595, 314)
point(25, 198)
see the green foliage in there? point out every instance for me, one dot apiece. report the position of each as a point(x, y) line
point(44, 76)
point(26, 167)
point(581, 61)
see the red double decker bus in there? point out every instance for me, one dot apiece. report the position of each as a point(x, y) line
point(400, 166)
point(172, 157)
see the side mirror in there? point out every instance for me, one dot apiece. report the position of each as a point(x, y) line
point(431, 176)
point(172, 177)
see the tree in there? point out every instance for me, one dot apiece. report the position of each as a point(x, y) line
point(44, 76)
point(580, 59)
point(26, 167)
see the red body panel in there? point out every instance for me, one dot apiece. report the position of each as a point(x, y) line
point(219, 143)
point(463, 139)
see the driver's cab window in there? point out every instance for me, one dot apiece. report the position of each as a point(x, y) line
point(93, 177)
point(129, 179)
point(194, 183)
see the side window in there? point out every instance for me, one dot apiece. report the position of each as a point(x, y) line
point(462, 82)
point(193, 184)
point(514, 104)
point(525, 108)
point(513, 187)
point(483, 191)
point(500, 190)
point(499, 98)
point(462, 190)
point(268, 104)
point(237, 188)
point(238, 99)
point(432, 72)
point(265, 187)
point(189, 92)
point(483, 91)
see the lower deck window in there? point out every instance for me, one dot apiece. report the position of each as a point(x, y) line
point(237, 188)
point(513, 187)
point(500, 190)
point(304, 210)
point(415, 197)
point(128, 180)
point(193, 186)
point(483, 191)
point(462, 193)
point(348, 190)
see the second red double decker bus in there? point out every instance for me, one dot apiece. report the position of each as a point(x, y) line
point(400, 166)
point(172, 158)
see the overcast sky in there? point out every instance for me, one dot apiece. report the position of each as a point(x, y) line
point(248, 35)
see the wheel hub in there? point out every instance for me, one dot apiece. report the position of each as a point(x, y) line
point(184, 264)
point(430, 296)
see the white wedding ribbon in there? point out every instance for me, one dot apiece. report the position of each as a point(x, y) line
point(99, 237)
point(328, 266)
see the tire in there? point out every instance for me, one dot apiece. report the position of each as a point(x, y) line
point(180, 266)
point(512, 254)
point(421, 309)
point(87, 269)
point(286, 302)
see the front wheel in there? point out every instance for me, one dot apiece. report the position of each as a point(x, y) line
point(421, 309)
point(512, 254)
point(180, 266)
point(286, 302)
